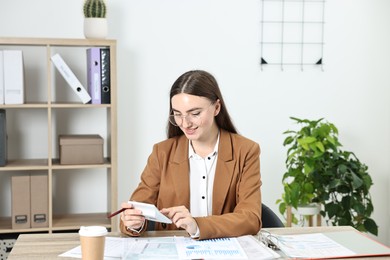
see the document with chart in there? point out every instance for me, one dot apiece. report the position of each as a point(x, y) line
point(221, 248)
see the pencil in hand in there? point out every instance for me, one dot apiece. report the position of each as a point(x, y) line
point(116, 213)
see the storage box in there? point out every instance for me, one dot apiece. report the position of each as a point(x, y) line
point(20, 202)
point(81, 149)
point(39, 201)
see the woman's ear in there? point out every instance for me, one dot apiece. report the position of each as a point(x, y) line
point(217, 107)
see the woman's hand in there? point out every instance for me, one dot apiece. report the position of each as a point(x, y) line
point(182, 218)
point(132, 218)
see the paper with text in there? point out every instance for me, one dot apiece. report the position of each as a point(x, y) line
point(311, 246)
point(220, 248)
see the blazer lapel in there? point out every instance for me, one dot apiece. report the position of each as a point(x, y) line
point(180, 168)
point(223, 172)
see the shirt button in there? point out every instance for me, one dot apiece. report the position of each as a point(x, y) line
point(209, 158)
point(204, 177)
point(203, 197)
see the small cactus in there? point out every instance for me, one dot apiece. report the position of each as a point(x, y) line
point(95, 8)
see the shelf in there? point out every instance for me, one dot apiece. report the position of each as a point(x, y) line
point(55, 42)
point(42, 164)
point(60, 223)
point(26, 164)
point(57, 166)
point(56, 105)
point(6, 227)
point(74, 221)
point(49, 111)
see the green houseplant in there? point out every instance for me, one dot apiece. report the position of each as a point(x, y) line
point(95, 22)
point(318, 171)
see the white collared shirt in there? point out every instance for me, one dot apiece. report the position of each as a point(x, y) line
point(202, 173)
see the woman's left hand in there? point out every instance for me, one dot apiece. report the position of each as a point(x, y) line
point(182, 218)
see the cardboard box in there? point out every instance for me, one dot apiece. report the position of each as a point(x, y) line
point(39, 201)
point(20, 186)
point(81, 149)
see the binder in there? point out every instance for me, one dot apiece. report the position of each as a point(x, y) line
point(70, 78)
point(105, 75)
point(13, 77)
point(20, 186)
point(3, 138)
point(1, 78)
point(328, 245)
point(93, 74)
point(39, 201)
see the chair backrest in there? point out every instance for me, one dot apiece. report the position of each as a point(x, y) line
point(269, 218)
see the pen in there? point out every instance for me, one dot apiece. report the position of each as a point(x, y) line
point(116, 212)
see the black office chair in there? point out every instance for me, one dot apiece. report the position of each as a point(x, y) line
point(269, 218)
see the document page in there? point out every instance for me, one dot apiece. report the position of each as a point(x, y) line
point(150, 248)
point(127, 248)
point(221, 248)
point(150, 212)
point(256, 250)
point(311, 246)
point(113, 249)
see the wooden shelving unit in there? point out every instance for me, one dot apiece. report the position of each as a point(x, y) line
point(51, 105)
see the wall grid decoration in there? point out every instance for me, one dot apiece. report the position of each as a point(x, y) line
point(292, 33)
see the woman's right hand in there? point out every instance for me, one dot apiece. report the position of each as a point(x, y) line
point(132, 218)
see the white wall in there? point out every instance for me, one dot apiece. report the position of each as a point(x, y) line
point(159, 40)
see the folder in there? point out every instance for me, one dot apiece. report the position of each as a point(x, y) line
point(328, 245)
point(3, 138)
point(39, 201)
point(13, 77)
point(359, 243)
point(105, 75)
point(1, 78)
point(93, 75)
point(70, 78)
point(20, 186)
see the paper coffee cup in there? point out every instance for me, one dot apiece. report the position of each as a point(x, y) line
point(92, 240)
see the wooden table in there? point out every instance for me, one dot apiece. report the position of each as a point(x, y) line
point(49, 246)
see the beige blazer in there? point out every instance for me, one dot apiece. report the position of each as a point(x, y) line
point(236, 195)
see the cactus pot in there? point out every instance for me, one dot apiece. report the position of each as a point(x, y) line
point(95, 28)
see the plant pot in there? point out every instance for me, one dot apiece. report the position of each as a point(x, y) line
point(95, 28)
point(310, 209)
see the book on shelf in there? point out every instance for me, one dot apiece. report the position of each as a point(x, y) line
point(11, 77)
point(71, 78)
point(93, 74)
point(105, 75)
point(1, 78)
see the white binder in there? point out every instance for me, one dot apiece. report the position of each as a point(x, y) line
point(70, 78)
point(13, 77)
point(1, 78)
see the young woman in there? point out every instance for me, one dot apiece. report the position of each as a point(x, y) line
point(205, 177)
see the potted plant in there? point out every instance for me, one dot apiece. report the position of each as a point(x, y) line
point(95, 22)
point(318, 171)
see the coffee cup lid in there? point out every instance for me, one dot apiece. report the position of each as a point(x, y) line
point(92, 231)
